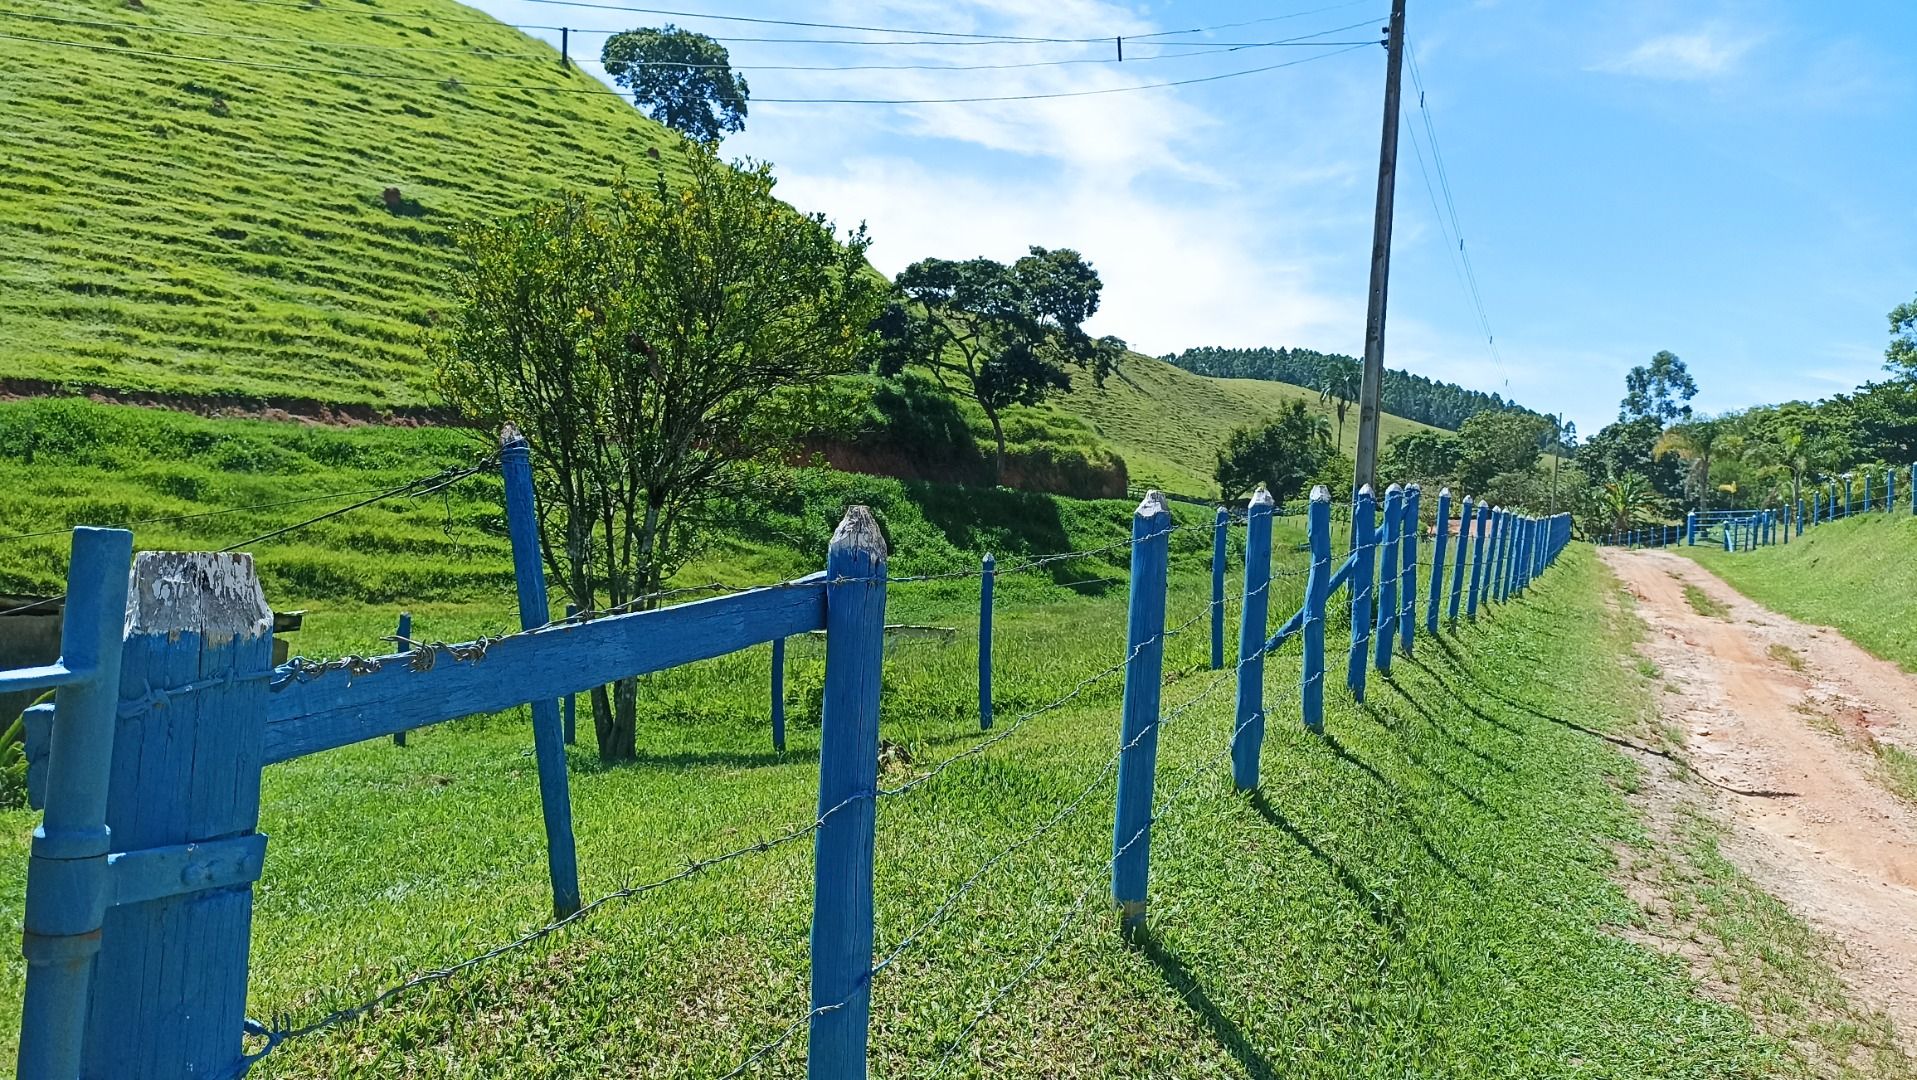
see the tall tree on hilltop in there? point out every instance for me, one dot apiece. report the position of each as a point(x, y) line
point(1339, 388)
point(1009, 334)
point(648, 345)
point(682, 79)
point(1662, 390)
point(1493, 443)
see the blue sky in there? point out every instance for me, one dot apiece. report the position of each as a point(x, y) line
point(1735, 182)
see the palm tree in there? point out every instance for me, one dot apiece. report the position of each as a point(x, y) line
point(1339, 388)
point(1625, 500)
point(1695, 440)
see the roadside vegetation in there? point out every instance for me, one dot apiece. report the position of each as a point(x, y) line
point(1854, 574)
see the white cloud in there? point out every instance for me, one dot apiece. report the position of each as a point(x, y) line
point(1703, 54)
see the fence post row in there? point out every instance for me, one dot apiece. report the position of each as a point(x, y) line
point(1248, 728)
point(1408, 561)
point(1364, 538)
point(1218, 555)
point(1138, 733)
point(549, 740)
point(1440, 540)
point(988, 574)
point(1457, 564)
point(1389, 572)
point(848, 783)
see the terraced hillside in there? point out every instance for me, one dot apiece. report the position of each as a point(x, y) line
point(191, 227)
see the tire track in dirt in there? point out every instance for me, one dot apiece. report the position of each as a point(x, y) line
point(1840, 849)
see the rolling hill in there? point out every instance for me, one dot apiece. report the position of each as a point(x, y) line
point(250, 206)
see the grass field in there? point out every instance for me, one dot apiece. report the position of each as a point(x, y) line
point(1855, 574)
point(201, 229)
point(1427, 884)
point(1168, 423)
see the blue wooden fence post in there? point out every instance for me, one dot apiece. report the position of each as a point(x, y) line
point(1317, 592)
point(1138, 734)
point(1500, 536)
point(169, 989)
point(1388, 574)
point(987, 576)
point(1869, 503)
point(848, 785)
point(1408, 560)
point(1218, 552)
point(549, 738)
point(778, 694)
point(1847, 510)
point(1477, 558)
point(1890, 490)
point(67, 864)
point(1364, 540)
point(1440, 540)
point(405, 635)
point(572, 700)
point(1248, 732)
point(1690, 529)
point(1913, 488)
point(1457, 563)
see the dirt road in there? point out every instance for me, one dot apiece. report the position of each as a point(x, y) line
point(1788, 719)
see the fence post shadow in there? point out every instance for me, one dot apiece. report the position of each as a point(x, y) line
point(1179, 977)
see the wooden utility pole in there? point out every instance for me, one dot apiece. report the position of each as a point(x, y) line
point(1369, 390)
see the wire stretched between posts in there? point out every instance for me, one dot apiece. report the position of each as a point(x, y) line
point(282, 1031)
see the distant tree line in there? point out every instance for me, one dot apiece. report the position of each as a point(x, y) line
point(1414, 397)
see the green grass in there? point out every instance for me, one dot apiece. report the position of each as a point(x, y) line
point(1705, 604)
point(1169, 423)
point(1858, 575)
point(1428, 884)
point(196, 229)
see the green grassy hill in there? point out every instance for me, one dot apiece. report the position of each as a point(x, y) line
point(1857, 574)
point(1168, 422)
point(193, 228)
point(186, 229)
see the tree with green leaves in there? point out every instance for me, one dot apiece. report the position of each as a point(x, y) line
point(1661, 390)
point(1339, 388)
point(1284, 454)
point(1498, 442)
point(1624, 501)
point(648, 345)
point(1901, 356)
point(682, 79)
point(1009, 335)
point(1695, 440)
point(1428, 457)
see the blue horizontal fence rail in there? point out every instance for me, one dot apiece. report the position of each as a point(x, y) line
point(139, 892)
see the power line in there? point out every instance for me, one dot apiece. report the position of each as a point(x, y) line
point(1068, 93)
point(1302, 41)
point(1463, 253)
point(598, 88)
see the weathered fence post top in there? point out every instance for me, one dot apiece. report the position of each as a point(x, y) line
point(859, 533)
point(1262, 497)
point(1153, 503)
point(216, 596)
point(510, 438)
